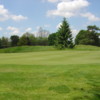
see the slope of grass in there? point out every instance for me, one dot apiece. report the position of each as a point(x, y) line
point(46, 48)
point(27, 49)
point(51, 75)
point(87, 47)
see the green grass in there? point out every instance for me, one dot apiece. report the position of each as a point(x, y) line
point(51, 75)
point(87, 47)
point(21, 49)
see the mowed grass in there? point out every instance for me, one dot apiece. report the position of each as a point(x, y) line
point(50, 75)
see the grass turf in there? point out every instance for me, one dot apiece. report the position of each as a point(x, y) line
point(50, 75)
point(21, 49)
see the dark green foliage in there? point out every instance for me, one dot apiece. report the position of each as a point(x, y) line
point(4, 41)
point(45, 41)
point(42, 37)
point(28, 38)
point(28, 35)
point(89, 36)
point(64, 36)
point(0, 44)
point(32, 39)
point(51, 39)
point(80, 36)
point(93, 28)
point(60, 89)
point(42, 41)
point(14, 40)
point(22, 41)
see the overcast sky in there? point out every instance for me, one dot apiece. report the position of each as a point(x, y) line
point(20, 16)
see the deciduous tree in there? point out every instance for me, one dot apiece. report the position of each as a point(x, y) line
point(4, 41)
point(14, 40)
point(0, 44)
point(22, 41)
point(51, 39)
point(89, 36)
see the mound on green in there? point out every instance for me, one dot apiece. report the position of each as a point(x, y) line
point(50, 75)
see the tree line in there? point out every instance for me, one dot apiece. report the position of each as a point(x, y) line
point(27, 38)
point(61, 39)
point(91, 36)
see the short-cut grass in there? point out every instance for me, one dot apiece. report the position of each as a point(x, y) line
point(51, 75)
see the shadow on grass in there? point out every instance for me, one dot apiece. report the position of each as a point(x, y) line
point(60, 89)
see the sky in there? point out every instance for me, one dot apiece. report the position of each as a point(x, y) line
point(20, 16)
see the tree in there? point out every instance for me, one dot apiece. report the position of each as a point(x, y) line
point(64, 36)
point(45, 41)
point(0, 44)
point(22, 41)
point(4, 41)
point(14, 40)
point(27, 35)
point(79, 36)
point(42, 37)
point(30, 38)
point(42, 33)
point(51, 39)
point(93, 28)
point(89, 36)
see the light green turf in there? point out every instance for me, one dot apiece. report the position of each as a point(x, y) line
point(51, 58)
point(50, 75)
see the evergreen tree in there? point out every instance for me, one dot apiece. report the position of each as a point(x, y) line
point(64, 36)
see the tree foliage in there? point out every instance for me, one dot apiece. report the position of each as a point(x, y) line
point(42, 37)
point(0, 44)
point(89, 36)
point(14, 40)
point(4, 41)
point(64, 36)
point(51, 39)
point(22, 41)
point(79, 36)
point(32, 39)
point(42, 33)
point(93, 28)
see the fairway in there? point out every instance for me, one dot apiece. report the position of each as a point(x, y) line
point(51, 58)
point(50, 75)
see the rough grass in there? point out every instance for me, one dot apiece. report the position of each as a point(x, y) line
point(21, 49)
point(27, 49)
point(50, 75)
